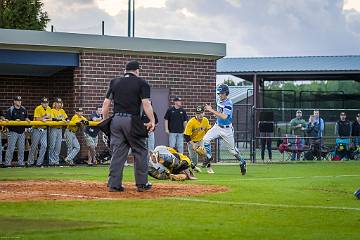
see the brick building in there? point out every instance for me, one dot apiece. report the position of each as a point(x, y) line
point(78, 68)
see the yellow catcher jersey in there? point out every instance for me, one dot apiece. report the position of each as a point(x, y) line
point(196, 129)
point(181, 156)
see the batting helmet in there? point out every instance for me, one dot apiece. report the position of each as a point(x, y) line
point(223, 88)
point(357, 194)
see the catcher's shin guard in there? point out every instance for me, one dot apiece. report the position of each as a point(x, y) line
point(155, 173)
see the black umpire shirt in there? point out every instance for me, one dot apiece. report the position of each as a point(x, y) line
point(176, 119)
point(127, 93)
point(14, 113)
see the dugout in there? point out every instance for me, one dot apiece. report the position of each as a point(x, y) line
point(78, 68)
point(260, 70)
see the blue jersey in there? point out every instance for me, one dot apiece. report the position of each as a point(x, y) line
point(225, 107)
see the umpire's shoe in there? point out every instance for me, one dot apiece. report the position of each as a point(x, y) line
point(243, 167)
point(144, 187)
point(116, 189)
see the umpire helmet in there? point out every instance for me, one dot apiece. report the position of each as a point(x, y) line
point(223, 88)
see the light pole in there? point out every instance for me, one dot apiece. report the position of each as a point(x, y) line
point(131, 18)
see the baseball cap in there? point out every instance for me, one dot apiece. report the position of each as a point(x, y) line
point(199, 109)
point(177, 99)
point(299, 111)
point(44, 100)
point(132, 65)
point(343, 113)
point(58, 100)
point(17, 98)
point(80, 109)
point(358, 115)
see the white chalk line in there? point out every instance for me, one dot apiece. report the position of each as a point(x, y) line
point(273, 178)
point(264, 204)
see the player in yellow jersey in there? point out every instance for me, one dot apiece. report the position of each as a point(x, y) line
point(39, 133)
point(73, 146)
point(195, 131)
point(167, 163)
point(57, 114)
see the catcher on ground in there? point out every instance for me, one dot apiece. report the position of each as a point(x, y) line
point(195, 131)
point(167, 163)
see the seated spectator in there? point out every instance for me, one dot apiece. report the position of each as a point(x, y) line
point(297, 126)
point(356, 130)
point(343, 127)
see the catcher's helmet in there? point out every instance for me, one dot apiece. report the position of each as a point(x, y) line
point(222, 88)
point(357, 194)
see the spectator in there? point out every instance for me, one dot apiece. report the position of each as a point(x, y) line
point(312, 131)
point(321, 123)
point(297, 126)
point(16, 133)
point(39, 133)
point(57, 114)
point(73, 146)
point(1, 129)
point(175, 122)
point(150, 141)
point(266, 134)
point(343, 127)
point(356, 130)
point(91, 136)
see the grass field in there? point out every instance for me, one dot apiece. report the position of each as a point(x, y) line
point(278, 201)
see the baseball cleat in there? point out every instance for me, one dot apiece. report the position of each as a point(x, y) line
point(210, 170)
point(197, 169)
point(243, 168)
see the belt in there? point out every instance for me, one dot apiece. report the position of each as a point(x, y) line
point(224, 126)
point(123, 114)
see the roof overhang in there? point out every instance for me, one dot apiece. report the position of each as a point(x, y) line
point(35, 63)
point(73, 42)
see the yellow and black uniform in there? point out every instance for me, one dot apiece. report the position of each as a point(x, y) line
point(76, 119)
point(58, 115)
point(168, 161)
point(195, 130)
point(41, 112)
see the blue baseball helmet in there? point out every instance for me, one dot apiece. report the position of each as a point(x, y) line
point(222, 88)
point(357, 194)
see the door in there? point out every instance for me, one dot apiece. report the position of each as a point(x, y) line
point(160, 103)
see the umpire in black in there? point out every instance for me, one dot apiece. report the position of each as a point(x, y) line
point(129, 94)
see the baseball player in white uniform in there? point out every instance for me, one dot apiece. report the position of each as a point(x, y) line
point(223, 128)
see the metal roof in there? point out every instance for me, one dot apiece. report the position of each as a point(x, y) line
point(74, 42)
point(239, 93)
point(349, 63)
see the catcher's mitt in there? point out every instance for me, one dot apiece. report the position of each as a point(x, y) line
point(200, 150)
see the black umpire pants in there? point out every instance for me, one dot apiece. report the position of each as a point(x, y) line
point(120, 143)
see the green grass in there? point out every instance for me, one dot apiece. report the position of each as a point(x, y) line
point(294, 198)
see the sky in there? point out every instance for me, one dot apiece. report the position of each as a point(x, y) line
point(250, 28)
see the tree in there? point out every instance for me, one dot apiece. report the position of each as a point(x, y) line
point(229, 82)
point(23, 14)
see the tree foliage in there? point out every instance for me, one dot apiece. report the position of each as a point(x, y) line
point(229, 82)
point(23, 14)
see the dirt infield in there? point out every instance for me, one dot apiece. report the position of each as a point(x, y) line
point(87, 190)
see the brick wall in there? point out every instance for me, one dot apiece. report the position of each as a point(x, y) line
point(32, 89)
point(193, 79)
